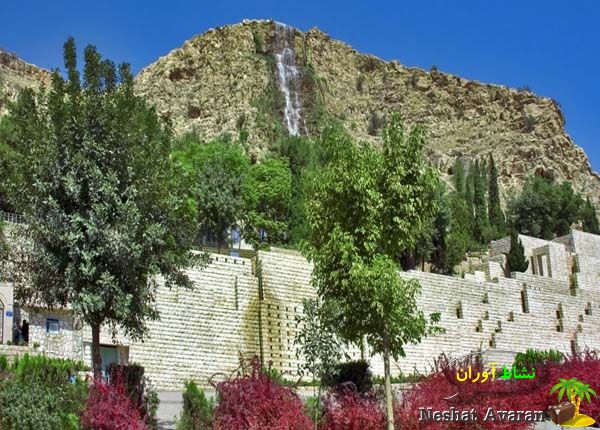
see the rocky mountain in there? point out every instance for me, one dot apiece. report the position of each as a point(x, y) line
point(266, 80)
point(229, 78)
point(16, 74)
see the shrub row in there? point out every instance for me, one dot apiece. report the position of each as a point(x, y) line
point(41, 393)
point(255, 401)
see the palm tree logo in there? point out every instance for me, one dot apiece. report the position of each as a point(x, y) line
point(576, 391)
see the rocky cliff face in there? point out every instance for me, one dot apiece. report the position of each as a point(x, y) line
point(16, 74)
point(228, 80)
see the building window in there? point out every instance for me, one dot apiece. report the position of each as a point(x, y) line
point(524, 302)
point(52, 325)
point(235, 236)
point(459, 311)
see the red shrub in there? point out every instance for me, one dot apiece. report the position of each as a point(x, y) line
point(109, 408)
point(586, 368)
point(348, 410)
point(255, 402)
point(522, 395)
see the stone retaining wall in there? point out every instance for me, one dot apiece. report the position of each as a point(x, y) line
point(240, 307)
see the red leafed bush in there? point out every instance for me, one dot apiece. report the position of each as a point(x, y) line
point(521, 395)
point(348, 410)
point(255, 402)
point(586, 368)
point(109, 408)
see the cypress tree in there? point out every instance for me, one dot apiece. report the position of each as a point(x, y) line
point(516, 260)
point(469, 190)
point(479, 206)
point(459, 176)
point(470, 213)
point(589, 218)
point(495, 214)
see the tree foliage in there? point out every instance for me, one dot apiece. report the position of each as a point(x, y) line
point(93, 177)
point(364, 213)
point(459, 176)
point(458, 237)
point(6, 154)
point(516, 259)
point(317, 341)
point(214, 174)
point(495, 215)
point(480, 216)
point(589, 218)
point(306, 158)
point(545, 209)
point(267, 194)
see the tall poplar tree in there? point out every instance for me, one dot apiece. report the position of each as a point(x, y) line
point(94, 179)
point(480, 216)
point(495, 214)
point(459, 177)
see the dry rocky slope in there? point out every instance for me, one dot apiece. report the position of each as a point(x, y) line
point(16, 74)
point(225, 80)
point(227, 74)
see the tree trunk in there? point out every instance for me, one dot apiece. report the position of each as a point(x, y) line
point(389, 397)
point(363, 355)
point(96, 358)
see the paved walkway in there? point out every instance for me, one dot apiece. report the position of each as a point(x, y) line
point(169, 409)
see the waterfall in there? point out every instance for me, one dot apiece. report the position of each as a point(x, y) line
point(288, 76)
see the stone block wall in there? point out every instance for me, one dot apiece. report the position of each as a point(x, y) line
point(12, 351)
point(241, 307)
point(67, 343)
point(504, 315)
point(202, 331)
point(286, 282)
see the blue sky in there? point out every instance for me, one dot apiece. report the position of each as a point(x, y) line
point(551, 46)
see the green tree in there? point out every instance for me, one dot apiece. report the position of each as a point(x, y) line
point(197, 412)
point(3, 252)
point(589, 218)
point(569, 208)
point(95, 182)
point(458, 235)
point(431, 236)
point(545, 209)
point(365, 211)
point(459, 176)
point(469, 191)
point(306, 158)
point(516, 259)
point(495, 214)
point(480, 217)
point(319, 346)
point(533, 211)
point(267, 193)
point(214, 174)
point(6, 154)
